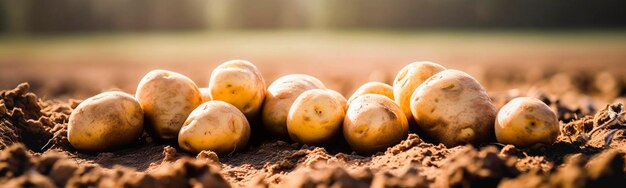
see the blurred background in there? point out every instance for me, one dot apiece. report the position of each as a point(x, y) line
point(78, 48)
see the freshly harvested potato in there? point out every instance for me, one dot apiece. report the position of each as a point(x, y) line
point(340, 98)
point(374, 122)
point(526, 121)
point(105, 121)
point(239, 83)
point(315, 117)
point(279, 98)
point(408, 79)
point(167, 98)
point(217, 126)
point(205, 93)
point(452, 108)
point(373, 88)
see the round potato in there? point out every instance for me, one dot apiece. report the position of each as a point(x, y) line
point(526, 121)
point(315, 117)
point(280, 96)
point(239, 83)
point(205, 93)
point(217, 126)
point(105, 121)
point(408, 79)
point(373, 88)
point(340, 98)
point(452, 108)
point(374, 122)
point(167, 98)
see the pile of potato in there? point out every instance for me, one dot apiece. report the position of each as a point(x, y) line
point(441, 105)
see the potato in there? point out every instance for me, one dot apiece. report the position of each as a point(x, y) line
point(167, 98)
point(374, 122)
point(408, 79)
point(280, 96)
point(105, 121)
point(315, 117)
point(452, 108)
point(373, 88)
point(239, 83)
point(340, 98)
point(526, 121)
point(205, 93)
point(217, 126)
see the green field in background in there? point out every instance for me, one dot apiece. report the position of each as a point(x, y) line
point(273, 41)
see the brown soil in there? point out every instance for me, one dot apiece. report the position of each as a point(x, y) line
point(36, 153)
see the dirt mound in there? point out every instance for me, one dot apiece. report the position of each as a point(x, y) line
point(18, 168)
point(23, 115)
point(35, 152)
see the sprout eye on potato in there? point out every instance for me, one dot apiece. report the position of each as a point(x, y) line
point(239, 83)
point(373, 88)
point(452, 108)
point(217, 126)
point(167, 98)
point(526, 121)
point(280, 96)
point(374, 122)
point(315, 117)
point(408, 79)
point(105, 121)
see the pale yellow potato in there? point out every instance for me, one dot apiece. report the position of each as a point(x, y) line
point(452, 108)
point(340, 98)
point(374, 122)
point(105, 121)
point(526, 121)
point(217, 126)
point(408, 79)
point(279, 98)
point(239, 83)
point(167, 98)
point(373, 88)
point(205, 93)
point(315, 117)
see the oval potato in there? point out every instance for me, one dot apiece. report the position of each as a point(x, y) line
point(239, 83)
point(526, 121)
point(408, 79)
point(280, 96)
point(315, 117)
point(374, 122)
point(217, 126)
point(105, 121)
point(452, 108)
point(167, 98)
point(373, 88)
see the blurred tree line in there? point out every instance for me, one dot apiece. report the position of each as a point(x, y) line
point(40, 16)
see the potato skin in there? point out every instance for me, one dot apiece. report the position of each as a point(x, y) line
point(105, 121)
point(408, 79)
point(340, 98)
point(526, 121)
point(239, 83)
point(167, 98)
point(315, 117)
point(217, 126)
point(374, 122)
point(205, 93)
point(280, 96)
point(373, 88)
point(452, 108)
